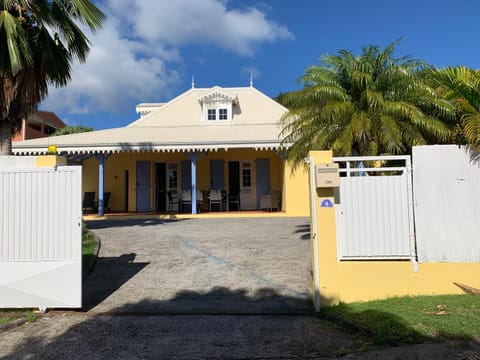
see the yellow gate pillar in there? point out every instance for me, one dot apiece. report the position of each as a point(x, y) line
point(323, 236)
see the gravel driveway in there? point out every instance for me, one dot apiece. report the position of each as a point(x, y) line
point(199, 289)
point(188, 289)
point(202, 266)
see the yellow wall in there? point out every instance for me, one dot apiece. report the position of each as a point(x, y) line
point(349, 281)
point(295, 191)
point(116, 165)
point(49, 160)
point(360, 281)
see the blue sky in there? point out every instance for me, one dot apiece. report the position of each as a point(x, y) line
point(149, 50)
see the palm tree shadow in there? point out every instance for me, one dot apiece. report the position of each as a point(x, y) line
point(473, 154)
point(109, 275)
point(222, 300)
point(304, 230)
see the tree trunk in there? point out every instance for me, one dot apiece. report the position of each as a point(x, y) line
point(5, 138)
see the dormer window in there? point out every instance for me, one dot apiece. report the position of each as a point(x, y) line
point(212, 114)
point(222, 114)
point(217, 106)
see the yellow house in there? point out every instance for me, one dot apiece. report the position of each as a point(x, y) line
point(205, 139)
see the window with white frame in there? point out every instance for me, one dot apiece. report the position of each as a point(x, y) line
point(217, 106)
point(212, 114)
point(246, 175)
point(172, 175)
point(218, 111)
point(222, 114)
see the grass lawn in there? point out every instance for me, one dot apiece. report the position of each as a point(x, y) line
point(88, 250)
point(410, 319)
point(5, 319)
point(8, 315)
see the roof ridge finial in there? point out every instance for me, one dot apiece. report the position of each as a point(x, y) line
point(251, 78)
point(193, 81)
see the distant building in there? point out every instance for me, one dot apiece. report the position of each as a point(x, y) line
point(38, 125)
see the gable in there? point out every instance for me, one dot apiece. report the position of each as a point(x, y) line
point(250, 106)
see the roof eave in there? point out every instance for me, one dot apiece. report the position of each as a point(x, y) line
point(147, 147)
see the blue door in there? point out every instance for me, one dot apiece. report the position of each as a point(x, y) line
point(216, 175)
point(143, 186)
point(263, 179)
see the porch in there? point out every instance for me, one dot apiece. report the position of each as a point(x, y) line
point(153, 182)
point(151, 216)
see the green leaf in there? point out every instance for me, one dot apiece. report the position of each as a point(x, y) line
point(16, 41)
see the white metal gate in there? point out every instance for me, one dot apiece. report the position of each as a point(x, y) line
point(40, 237)
point(374, 208)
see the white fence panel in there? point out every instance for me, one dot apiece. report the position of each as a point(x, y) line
point(447, 203)
point(374, 214)
point(40, 232)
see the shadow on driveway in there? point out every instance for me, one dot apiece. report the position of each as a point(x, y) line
point(122, 335)
point(304, 231)
point(117, 223)
point(109, 275)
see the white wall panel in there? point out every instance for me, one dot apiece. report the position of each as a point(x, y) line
point(447, 203)
point(40, 237)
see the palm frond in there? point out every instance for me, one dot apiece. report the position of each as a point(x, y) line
point(15, 43)
point(86, 12)
point(389, 135)
point(471, 126)
point(76, 41)
point(360, 125)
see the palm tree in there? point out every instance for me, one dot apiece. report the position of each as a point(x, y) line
point(39, 40)
point(369, 104)
point(461, 85)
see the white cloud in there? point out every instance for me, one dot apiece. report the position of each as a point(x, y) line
point(182, 22)
point(115, 74)
point(135, 56)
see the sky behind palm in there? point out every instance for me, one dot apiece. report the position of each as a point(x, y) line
point(149, 50)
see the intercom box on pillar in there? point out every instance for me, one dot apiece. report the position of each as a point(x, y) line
point(327, 175)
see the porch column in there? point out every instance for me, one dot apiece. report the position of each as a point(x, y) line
point(193, 161)
point(282, 155)
point(101, 182)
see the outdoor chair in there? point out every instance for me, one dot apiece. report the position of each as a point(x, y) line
point(224, 199)
point(172, 201)
point(233, 200)
point(215, 199)
point(89, 202)
point(271, 201)
point(199, 199)
point(186, 199)
point(106, 201)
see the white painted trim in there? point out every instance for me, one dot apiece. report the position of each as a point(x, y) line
point(111, 149)
point(314, 236)
point(411, 215)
